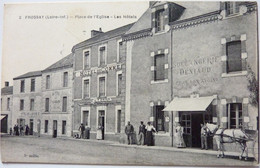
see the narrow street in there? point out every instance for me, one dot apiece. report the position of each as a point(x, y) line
point(48, 150)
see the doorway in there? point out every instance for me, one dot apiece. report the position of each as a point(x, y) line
point(197, 119)
point(31, 127)
point(55, 128)
point(4, 123)
point(101, 121)
point(118, 121)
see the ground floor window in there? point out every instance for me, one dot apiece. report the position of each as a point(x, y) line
point(85, 118)
point(159, 118)
point(186, 123)
point(118, 121)
point(235, 115)
point(46, 125)
point(63, 127)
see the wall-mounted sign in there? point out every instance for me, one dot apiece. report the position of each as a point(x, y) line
point(109, 67)
point(29, 114)
point(101, 100)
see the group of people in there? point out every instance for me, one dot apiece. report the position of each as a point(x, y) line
point(145, 134)
point(20, 130)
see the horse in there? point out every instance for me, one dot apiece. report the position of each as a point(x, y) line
point(222, 135)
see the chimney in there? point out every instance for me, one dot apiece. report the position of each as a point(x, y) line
point(96, 32)
point(6, 84)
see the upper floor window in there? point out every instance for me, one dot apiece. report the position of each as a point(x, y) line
point(32, 104)
point(47, 104)
point(64, 104)
point(159, 71)
point(232, 8)
point(234, 62)
point(65, 79)
point(119, 48)
point(22, 86)
point(48, 81)
point(21, 104)
point(159, 20)
point(102, 55)
point(8, 103)
point(235, 115)
point(86, 88)
point(86, 59)
point(32, 85)
point(102, 86)
point(119, 84)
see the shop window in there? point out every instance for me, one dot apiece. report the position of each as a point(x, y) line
point(46, 126)
point(159, 118)
point(234, 62)
point(65, 79)
point(8, 103)
point(22, 86)
point(63, 127)
point(85, 118)
point(32, 85)
point(64, 104)
point(102, 56)
point(47, 105)
point(21, 104)
point(86, 89)
point(31, 104)
point(48, 81)
point(86, 59)
point(159, 71)
point(235, 115)
point(119, 84)
point(102, 87)
point(186, 123)
point(232, 8)
point(159, 20)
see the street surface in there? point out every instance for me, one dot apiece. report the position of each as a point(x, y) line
point(54, 150)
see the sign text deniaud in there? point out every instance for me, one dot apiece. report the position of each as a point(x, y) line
point(109, 67)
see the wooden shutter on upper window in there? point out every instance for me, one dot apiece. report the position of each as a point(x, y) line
point(234, 62)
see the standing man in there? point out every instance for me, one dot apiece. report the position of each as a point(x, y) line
point(129, 130)
point(142, 132)
point(204, 137)
point(81, 130)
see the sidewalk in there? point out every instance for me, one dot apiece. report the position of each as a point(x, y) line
point(163, 148)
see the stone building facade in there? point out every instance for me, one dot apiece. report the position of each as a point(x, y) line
point(99, 83)
point(57, 103)
point(27, 101)
point(6, 108)
point(192, 63)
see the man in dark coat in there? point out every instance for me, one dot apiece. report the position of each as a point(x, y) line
point(129, 130)
point(142, 132)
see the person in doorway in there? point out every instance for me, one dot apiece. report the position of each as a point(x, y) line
point(149, 134)
point(16, 130)
point(204, 137)
point(21, 130)
point(26, 130)
point(142, 133)
point(99, 132)
point(81, 130)
point(129, 130)
point(179, 136)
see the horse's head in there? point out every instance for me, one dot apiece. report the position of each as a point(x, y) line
point(212, 128)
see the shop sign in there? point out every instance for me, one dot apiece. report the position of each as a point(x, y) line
point(109, 67)
point(29, 114)
point(101, 100)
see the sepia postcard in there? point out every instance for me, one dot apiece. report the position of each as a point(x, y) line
point(130, 83)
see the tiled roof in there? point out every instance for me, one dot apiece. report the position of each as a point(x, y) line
point(29, 74)
point(7, 90)
point(63, 63)
point(104, 36)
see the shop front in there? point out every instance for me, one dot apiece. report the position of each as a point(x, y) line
point(191, 113)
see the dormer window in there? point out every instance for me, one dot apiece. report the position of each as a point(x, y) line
point(159, 20)
point(232, 8)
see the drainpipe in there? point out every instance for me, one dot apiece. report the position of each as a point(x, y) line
point(171, 55)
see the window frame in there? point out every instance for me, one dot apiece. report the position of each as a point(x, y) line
point(83, 53)
point(105, 54)
point(22, 86)
point(237, 118)
point(48, 82)
point(32, 103)
point(64, 127)
point(162, 114)
point(234, 9)
point(21, 104)
point(65, 79)
point(47, 104)
point(46, 126)
point(155, 67)
point(8, 104)
point(239, 58)
point(117, 82)
point(83, 87)
point(64, 104)
point(33, 84)
point(118, 50)
point(158, 20)
point(98, 79)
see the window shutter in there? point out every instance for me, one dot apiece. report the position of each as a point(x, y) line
point(234, 56)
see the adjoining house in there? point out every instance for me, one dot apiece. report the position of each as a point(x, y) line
point(6, 108)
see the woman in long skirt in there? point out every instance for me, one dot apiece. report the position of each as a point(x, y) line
point(99, 132)
point(149, 134)
point(179, 136)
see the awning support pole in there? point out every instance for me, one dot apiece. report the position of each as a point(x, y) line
point(172, 128)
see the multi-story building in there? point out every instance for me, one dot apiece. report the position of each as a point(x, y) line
point(57, 109)
point(27, 101)
point(191, 63)
point(99, 83)
point(6, 107)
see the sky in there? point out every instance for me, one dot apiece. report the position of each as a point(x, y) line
point(32, 43)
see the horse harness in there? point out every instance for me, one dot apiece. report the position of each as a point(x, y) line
point(239, 140)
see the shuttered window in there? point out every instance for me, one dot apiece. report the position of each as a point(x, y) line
point(119, 84)
point(159, 20)
point(102, 88)
point(48, 81)
point(21, 104)
point(32, 85)
point(86, 60)
point(64, 104)
point(47, 104)
point(159, 61)
point(86, 88)
point(22, 86)
point(32, 104)
point(102, 56)
point(232, 8)
point(234, 62)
